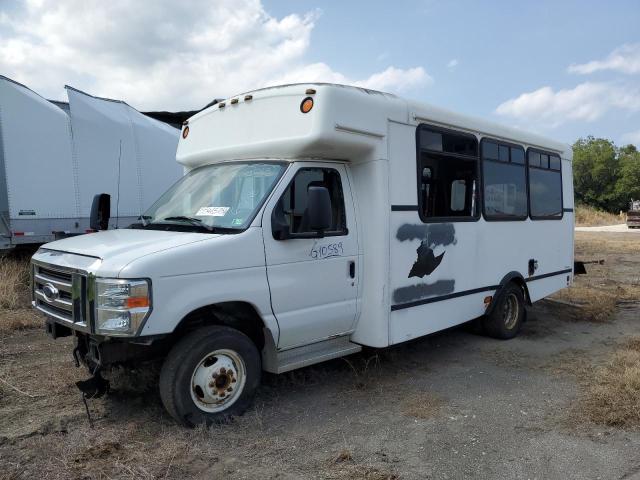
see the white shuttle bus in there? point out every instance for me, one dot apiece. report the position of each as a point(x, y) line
point(313, 220)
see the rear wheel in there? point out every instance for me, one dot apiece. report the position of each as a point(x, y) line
point(505, 320)
point(210, 376)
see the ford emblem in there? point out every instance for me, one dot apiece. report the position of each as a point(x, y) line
point(50, 292)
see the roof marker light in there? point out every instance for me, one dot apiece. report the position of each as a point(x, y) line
point(310, 91)
point(248, 97)
point(221, 105)
point(185, 132)
point(306, 105)
point(234, 101)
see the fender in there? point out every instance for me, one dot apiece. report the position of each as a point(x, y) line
point(508, 278)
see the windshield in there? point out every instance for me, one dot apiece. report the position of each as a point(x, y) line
point(214, 198)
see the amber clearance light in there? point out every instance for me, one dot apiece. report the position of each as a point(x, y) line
point(185, 132)
point(306, 105)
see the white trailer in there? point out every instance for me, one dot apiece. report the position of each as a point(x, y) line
point(314, 220)
point(55, 157)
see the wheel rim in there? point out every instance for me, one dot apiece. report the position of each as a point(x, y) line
point(218, 380)
point(510, 311)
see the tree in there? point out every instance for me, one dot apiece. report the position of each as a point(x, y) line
point(596, 169)
point(628, 184)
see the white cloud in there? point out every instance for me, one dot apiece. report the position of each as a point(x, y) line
point(624, 59)
point(632, 137)
point(587, 101)
point(167, 54)
point(453, 63)
point(396, 79)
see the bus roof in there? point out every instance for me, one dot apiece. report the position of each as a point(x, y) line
point(268, 123)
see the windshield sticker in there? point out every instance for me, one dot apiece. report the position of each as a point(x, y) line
point(212, 211)
point(237, 221)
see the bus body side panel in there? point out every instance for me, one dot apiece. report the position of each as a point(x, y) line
point(422, 301)
point(370, 190)
point(553, 243)
point(509, 246)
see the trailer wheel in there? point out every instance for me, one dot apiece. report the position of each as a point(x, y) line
point(209, 376)
point(506, 318)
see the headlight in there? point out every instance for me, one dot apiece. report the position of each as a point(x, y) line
point(121, 305)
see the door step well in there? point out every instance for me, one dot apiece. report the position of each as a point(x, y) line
point(284, 361)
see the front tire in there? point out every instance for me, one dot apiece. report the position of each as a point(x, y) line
point(506, 318)
point(209, 376)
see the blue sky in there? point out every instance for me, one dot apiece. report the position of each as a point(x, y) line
point(502, 49)
point(565, 69)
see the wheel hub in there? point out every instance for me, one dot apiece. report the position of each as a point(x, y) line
point(510, 311)
point(218, 380)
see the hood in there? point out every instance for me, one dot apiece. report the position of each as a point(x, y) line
point(120, 247)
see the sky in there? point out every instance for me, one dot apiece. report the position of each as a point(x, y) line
point(565, 69)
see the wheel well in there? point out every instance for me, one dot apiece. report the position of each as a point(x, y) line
point(516, 278)
point(523, 285)
point(239, 315)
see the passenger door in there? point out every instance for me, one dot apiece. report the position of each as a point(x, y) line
point(312, 279)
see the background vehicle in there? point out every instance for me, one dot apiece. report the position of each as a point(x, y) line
point(55, 156)
point(313, 220)
point(633, 215)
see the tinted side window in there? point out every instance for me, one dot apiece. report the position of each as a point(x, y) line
point(545, 185)
point(504, 180)
point(292, 206)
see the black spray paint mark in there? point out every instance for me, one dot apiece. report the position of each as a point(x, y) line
point(423, 290)
point(436, 234)
point(426, 263)
point(430, 236)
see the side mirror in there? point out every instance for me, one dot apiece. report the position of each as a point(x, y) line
point(319, 208)
point(100, 212)
point(279, 225)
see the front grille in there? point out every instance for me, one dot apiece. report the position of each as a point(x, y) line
point(60, 294)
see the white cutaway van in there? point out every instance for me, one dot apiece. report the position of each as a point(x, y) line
point(313, 220)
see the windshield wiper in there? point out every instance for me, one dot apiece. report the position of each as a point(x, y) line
point(145, 219)
point(192, 220)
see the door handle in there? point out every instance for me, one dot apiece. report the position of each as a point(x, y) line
point(352, 269)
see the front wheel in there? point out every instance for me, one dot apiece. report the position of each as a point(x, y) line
point(209, 376)
point(505, 320)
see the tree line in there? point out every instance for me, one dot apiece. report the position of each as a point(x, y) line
point(605, 176)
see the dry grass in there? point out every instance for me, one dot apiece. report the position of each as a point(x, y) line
point(591, 217)
point(584, 303)
point(15, 308)
point(592, 245)
point(422, 405)
point(14, 282)
point(613, 391)
point(594, 296)
point(345, 455)
point(22, 319)
point(361, 472)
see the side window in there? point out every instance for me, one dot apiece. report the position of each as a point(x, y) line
point(504, 179)
point(291, 210)
point(545, 185)
point(447, 174)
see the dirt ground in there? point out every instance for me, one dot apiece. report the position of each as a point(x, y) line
point(453, 405)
